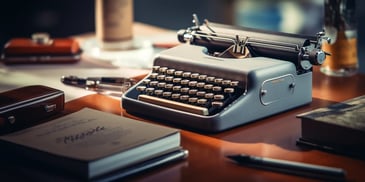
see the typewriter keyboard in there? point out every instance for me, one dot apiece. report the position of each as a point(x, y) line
point(188, 91)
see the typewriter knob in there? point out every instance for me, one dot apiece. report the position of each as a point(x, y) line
point(317, 57)
point(313, 56)
point(184, 36)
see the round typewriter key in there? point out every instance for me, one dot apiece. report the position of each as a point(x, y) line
point(184, 82)
point(162, 69)
point(185, 90)
point(184, 97)
point(153, 83)
point(219, 97)
point(226, 82)
point(234, 83)
point(200, 85)
point(169, 86)
point(169, 78)
point(161, 85)
point(176, 80)
point(210, 79)
point(208, 86)
point(186, 74)
point(150, 90)
point(201, 93)
point(141, 88)
point(155, 68)
point(202, 101)
point(202, 77)
point(176, 88)
point(194, 75)
point(229, 90)
point(166, 94)
point(178, 73)
point(217, 88)
point(192, 100)
point(170, 71)
point(193, 91)
point(161, 77)
point(175, 96)
point(146, 81)
point(153, 75)
point(218, 80)
point(209, 95)
point(192, 83)
point(158, 92)
point(217, 104)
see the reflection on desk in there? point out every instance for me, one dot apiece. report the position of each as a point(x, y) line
point(272, 137)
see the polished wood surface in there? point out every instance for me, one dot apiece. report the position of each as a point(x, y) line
point(273, 137)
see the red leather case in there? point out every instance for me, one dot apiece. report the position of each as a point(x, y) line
point(26, 50)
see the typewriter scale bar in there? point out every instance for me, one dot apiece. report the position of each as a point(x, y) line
point(174, 105)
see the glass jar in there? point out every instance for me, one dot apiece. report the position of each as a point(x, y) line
point(341, 26)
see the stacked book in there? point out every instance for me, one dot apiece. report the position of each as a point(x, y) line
point(338, 128)
point(91, 144)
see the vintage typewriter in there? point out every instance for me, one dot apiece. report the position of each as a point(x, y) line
point(225, 76)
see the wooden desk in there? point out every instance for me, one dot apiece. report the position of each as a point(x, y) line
point(270, 137)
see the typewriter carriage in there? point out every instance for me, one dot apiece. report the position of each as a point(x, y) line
point(304, 51)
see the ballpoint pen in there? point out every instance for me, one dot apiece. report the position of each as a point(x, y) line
point(291, 167)
point(179, 154)
point(118, 84)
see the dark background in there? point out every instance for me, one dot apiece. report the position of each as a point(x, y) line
point(61, 18)
point(20, 18)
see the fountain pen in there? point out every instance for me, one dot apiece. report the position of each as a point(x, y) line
point(99, 83)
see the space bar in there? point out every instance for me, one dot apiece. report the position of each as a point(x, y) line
point(174, 105)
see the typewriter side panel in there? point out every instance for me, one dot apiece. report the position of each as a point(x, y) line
point(251, 108)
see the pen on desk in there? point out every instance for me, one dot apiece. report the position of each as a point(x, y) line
point(290, 167)
point(179, 154)
point(118, 84)
point(75, 80)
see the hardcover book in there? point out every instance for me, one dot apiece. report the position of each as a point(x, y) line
point(90, 143)
point(339, 127)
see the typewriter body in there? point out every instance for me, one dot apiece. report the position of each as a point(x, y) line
point(225, 76)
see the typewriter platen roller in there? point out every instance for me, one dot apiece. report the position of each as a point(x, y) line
point(222, 82)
